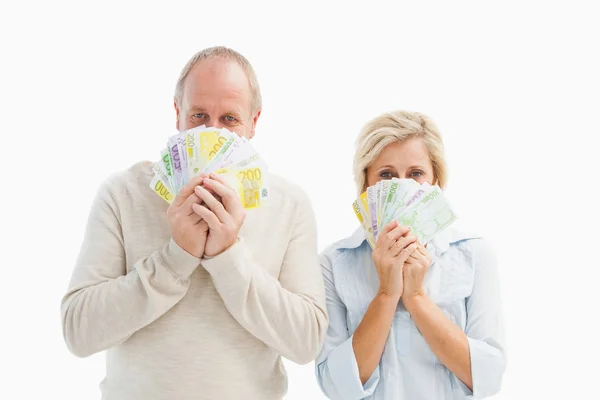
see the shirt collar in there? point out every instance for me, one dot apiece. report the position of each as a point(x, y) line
point(353, 241)
point(441, 241)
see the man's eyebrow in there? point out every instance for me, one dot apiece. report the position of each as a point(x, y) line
point(235, 114)
point(196, 108)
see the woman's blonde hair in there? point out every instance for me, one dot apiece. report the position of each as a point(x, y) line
point(394, 127)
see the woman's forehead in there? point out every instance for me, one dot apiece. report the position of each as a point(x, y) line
point(412, 151)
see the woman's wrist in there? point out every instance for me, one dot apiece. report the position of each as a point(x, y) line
point(387, 297)
point(413, 301)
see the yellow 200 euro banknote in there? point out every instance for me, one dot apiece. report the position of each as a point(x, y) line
point(162, 189)
point(249, 180)
point(360, 215)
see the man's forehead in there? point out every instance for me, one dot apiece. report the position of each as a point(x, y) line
point(222, 81)
point(218, 74)
point(217, 108)
point(224, 101)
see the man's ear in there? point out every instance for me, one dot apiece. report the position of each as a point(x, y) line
point(177, 113)
point(254, 121)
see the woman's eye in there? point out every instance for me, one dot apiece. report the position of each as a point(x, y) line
point(416, 174)
point(385, 174)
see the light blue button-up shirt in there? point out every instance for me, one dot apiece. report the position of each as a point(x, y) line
point(462, 280)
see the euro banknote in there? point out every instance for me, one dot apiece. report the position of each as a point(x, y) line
point(212, 150)
point(422, 207)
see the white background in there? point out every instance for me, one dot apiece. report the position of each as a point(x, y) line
point(86, 90)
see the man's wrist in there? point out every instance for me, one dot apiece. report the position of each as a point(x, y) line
point(206, 257)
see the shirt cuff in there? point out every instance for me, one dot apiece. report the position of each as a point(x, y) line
point(178, 261)
point(487, 369)
point(343, 371)
point(466, 392)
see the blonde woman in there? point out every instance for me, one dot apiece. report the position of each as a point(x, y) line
point(409, 321)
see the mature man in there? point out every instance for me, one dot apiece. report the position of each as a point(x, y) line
point(201, 299)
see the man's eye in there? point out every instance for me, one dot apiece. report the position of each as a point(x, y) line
point(229, 118)
point(200, 115)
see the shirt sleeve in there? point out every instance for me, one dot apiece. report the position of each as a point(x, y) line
point(336, 367)
point(485, 328)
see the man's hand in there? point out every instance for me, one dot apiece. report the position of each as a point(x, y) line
point(188, 229)
point(224, 218)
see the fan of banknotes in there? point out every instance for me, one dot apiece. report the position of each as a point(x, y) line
point(206, 150)
point(423, 207)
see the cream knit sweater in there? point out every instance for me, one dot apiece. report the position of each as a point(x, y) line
point(176, 327)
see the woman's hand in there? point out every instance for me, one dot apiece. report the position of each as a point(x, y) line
point(394, 246)
point(446, 339)
point(415, 268)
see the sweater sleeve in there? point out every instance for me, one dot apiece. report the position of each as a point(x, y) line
point(104, 305)
point(289, 315)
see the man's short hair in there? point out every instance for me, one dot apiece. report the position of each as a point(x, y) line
point(227, 54)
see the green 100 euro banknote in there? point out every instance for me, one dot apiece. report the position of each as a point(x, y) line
point(422, 207)
point(212, 150)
